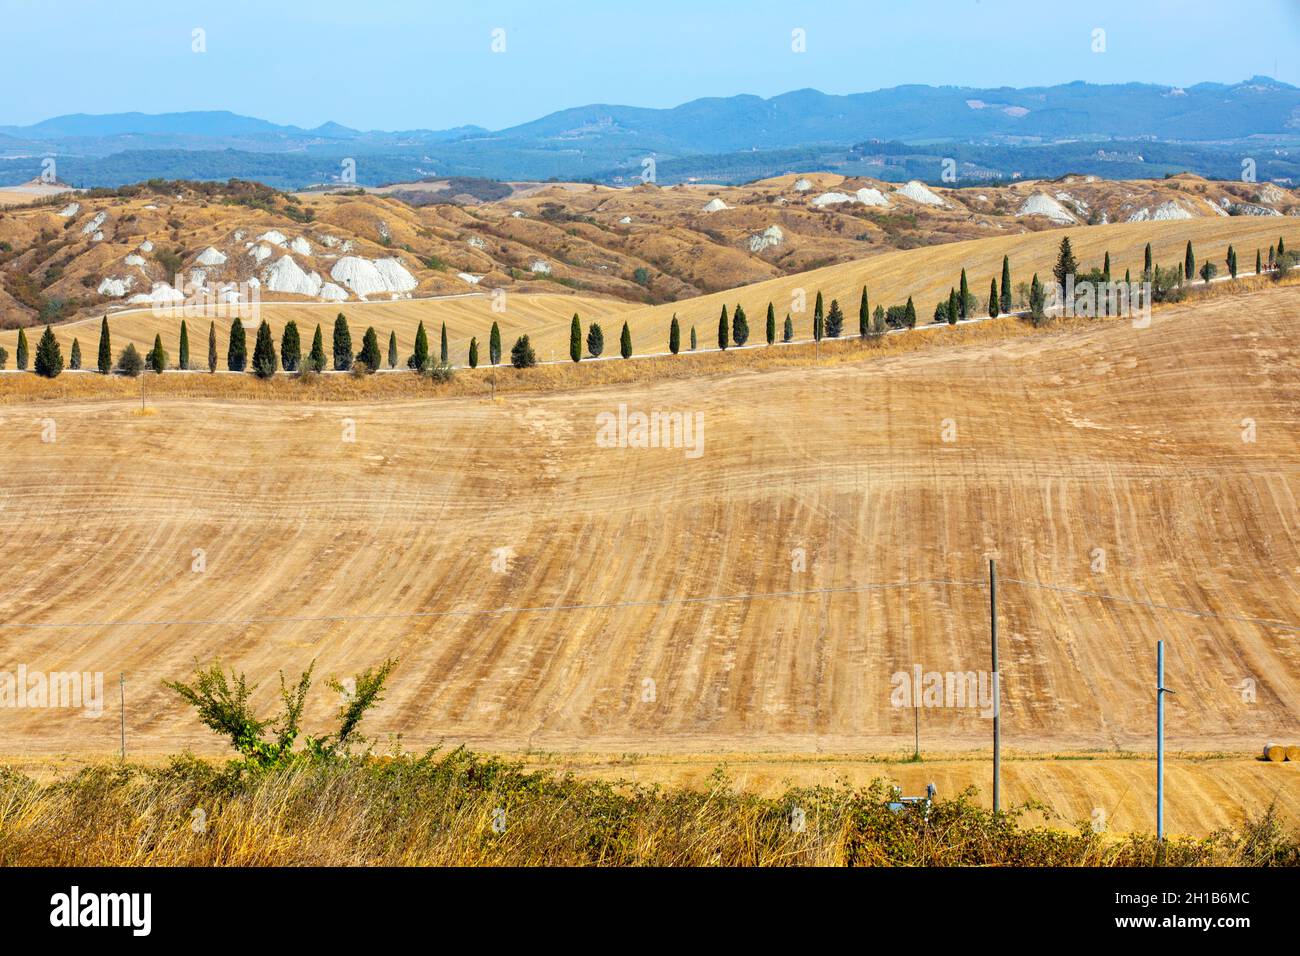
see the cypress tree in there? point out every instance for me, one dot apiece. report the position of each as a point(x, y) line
point(74, 360)
point(49, 359)
point(864, 315)
point(674, 336)
point(909, 314)
point(771, 324)
point(157, 357)
point(1189, 262)
point(392, 349)
point(369, 354)
point(473, 353)
point(105, 361)
point(1232, 262)
point(1281, 247)
point(1004, 303)
point(237, 352)
point(494, 346)
point(953, 307)
point(212, 347)
point(1146, 261)
point(1105, 267)
point(22, 351)
point(787, 330)
point(819, 318)
point(724, 329)
point(993, 298)
point(625, 343)
point(878, 322)
point(834, 320)
point(521, 353)
point(184, 360)
point(1037, 300)
point(342, 344)
point(420, 356)
point(442, 346)
point(316, 359)
point(692, 338)
point(1259, 265)
point(739, 326)
point(264, 364)
point(595, 340)
point(575, 338)
point(4, 357)
point(964, 294)
point(290, 347)
point(1272, 258)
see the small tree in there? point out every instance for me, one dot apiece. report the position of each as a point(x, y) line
point(264, 364)
point(129, 363)
point(1146, 263)
point(223, 705)
point(420, 355)
point(157, 357)
point(693, 343)
point(575, 338)
point(1066, 265)
point(739, 326)
point(521, 353)
point(674, 336)
point(22, 359)
point(834, 320)
point(625, 342)
point(316, 358)
point(1004, 302)
point(819, 319)
point(787, 330)
point(909, 314)
point(964, 296)
point(1037, 302)
point(595, 340)
point(494, 346)
point(369, 354)
point(1189, 261)
point(49, 359)
point(4, 357)
point(878, 322)
point(864, 315)
point(1232, 262)
point(342, 344)
point(993, 298)
point(1208, 271)
point(442, 346)
point(237, 353)
point(392, 349)
point(184, 350)
point(1105, 268)
point(1259, 267)
point(212, 347)
point(771, 324)
point(954, 309)
point(105, 359)
point(290, 347)
point(74, 358)
point(473, 353)
point(724, 329)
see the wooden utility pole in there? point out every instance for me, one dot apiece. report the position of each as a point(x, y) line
point(997, 690)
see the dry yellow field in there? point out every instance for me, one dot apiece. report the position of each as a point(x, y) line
point(595, 633)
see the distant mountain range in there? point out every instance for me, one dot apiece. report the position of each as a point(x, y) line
point(704, 138)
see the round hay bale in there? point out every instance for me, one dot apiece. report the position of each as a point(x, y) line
point(1293, 753)
point(1274, 753)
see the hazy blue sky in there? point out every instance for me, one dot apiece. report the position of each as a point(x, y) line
point(394, 64)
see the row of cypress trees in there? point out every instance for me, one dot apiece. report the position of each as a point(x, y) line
point(733, 329)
